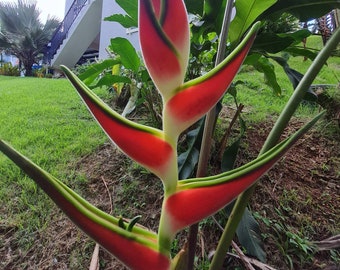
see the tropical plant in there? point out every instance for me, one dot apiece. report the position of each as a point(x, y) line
point(22, 34)
point(164, 36)
point(7, 69)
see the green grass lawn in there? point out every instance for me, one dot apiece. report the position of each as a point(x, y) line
point(258, 97)
point(45, 120)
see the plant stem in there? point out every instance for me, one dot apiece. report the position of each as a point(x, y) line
point(273, 137)
point(208, 132)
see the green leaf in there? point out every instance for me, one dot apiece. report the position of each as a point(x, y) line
point(125, 20)
point(294, 51)
point(298, 36)
point(188, 160)
point(194, 6)
point(247, 12)
point(272, 43)
point(263, 65)
point(127, 53)
point(129, 20)
point(214, 12)
point(229, 156)
point(109, 80)
point(94, 70)
point(230, 153)
point(302, 9)
point(131, 9)
point(295, 77)
point(249, 235)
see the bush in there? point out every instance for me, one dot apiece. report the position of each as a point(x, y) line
point(8, 69)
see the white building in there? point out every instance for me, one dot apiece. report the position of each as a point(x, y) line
point(8, 58)
point(84, 33)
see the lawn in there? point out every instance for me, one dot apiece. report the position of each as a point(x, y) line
point(259, 98)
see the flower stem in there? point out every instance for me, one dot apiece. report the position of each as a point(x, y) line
point(208, 132)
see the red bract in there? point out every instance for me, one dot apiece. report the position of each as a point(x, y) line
point(136, 248)
point(195, 98)
point(145, 145)
point(164, 38)
point(189, 206)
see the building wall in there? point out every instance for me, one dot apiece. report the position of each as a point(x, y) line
point(109, 30)
point(112, 29)
point(7, 58)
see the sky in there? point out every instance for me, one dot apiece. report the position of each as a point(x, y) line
point(51, 7)
point(48, 7)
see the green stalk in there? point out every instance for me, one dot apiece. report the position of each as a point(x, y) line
point(209, 125)
point(273, 137)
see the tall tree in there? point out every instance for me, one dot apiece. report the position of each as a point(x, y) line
point(22, 33)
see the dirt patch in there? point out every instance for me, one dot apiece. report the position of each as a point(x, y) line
point(300, 194)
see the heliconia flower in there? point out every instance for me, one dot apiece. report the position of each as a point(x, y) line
point(144, 144)
point(199, 198)
point(192, 100)
point(164, 38)
point(165, 42)
point(137, 248)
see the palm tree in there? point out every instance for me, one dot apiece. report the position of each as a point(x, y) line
point(21, 32)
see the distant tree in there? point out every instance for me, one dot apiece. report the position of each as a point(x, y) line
point(284, 24)
point(22, 33)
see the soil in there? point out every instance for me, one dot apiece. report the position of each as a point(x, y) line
point(299, 195)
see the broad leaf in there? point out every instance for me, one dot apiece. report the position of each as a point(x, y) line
point(109, 80)
point(231, 152)
point(213, 14)
point(302, 9)
point(247, 12)
point(131, 9)
point(272, 43)
point(294, 51)
point(124, 20)
point(128, 55)
point(195, 6)
point(298, 36)
point(295, 77)
point(249, 235)
point(94, 70)
point(264, 65)
point(188, 160)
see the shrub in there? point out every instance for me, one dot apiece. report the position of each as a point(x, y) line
point(8, 69)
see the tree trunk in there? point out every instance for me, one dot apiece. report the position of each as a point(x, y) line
point(28, 67)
